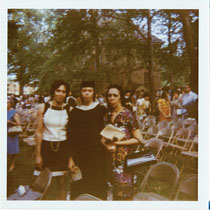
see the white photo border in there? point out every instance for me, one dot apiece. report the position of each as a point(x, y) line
point(203, 164)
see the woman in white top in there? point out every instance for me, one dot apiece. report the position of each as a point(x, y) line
point(51, 142)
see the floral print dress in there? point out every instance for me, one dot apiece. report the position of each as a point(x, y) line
point(122, 181)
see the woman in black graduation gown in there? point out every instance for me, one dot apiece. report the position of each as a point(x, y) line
point(85, 125)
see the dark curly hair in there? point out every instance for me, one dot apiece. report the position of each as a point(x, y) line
point(121, 94)
point(56, 84)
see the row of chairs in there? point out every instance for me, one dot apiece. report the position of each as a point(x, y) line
point(175, 124)
point(167, 174)
point(37, 190)
point(175, 140)
point(171, 151)
point(28, 124)
point(162, 171)
point(166, 138)
point(180, 139)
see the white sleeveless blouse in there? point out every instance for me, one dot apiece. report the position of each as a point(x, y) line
point(55, 124)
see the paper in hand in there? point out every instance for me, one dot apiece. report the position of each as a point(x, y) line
point(111, 131)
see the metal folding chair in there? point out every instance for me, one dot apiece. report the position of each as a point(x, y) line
point(165, 172)
point(87, 197)
point(188, 186)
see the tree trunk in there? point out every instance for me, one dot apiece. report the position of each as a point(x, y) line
point(151, 66)
point(191, 49)
point(21, 86)
point(170, 53)
point(128, 56)
point(95, 35)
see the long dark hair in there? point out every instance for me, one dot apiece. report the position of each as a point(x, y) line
point(164, 95)
point(56, 84)
point(120, 91)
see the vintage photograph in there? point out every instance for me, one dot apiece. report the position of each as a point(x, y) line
point(102, 104)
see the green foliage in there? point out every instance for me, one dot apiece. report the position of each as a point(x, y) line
point(77, 44)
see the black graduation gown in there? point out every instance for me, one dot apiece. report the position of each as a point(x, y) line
point(87, 151)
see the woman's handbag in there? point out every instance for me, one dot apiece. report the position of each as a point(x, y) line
point(14, 130)
point(75, 175)
point(140, 158)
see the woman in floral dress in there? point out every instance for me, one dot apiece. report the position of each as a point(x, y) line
point(124, 119)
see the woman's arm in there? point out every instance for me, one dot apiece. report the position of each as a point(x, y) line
point(110, 146)
point(160, 109)
point(16, 120)
point(39, 131)
point(137, 138)
point(71, 164)
point(169, 107)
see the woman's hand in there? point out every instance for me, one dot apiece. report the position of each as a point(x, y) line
point(108, 144)
point(111, 147)
point(71, 164)
point(9, 122)
point(39, 161)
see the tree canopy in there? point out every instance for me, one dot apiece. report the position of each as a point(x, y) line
point(78, 44)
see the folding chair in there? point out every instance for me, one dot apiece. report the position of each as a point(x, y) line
point(190, 121)
point(177, 125)
point(36, 191)
point(180, 142)
point(165, 134)
point(140, 123)
point(42, 182)
point(174, 120)
point(163, 124)
point(165, 172)
point(87, 197)
point(156, 145)
point(188, 186)
point(148, 122)
point(189, 156)
point(151, 132)
point(151, 117)
point(181, 139)
point(194, 130)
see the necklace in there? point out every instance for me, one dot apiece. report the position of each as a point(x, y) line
point(114, 114)
point(57, 144)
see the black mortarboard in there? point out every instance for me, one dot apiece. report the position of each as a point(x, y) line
point(88, 84)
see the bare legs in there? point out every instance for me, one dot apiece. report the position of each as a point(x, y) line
point(62, 187)
point(12, 165)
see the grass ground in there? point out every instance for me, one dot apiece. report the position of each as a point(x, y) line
point(25, 163)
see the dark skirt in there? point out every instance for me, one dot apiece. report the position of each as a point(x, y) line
point(12, 145)
point(52, 159)
point(93, 176)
